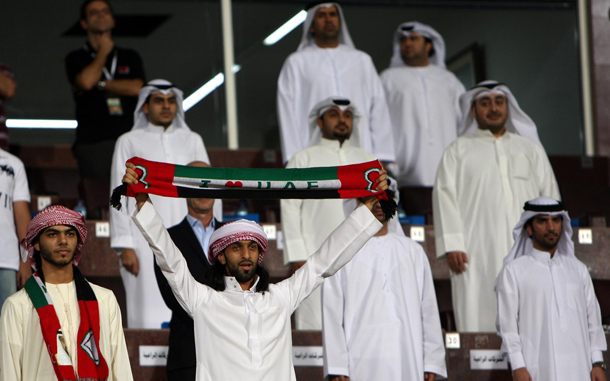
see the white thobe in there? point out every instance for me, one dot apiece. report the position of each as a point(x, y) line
point(381, 319)
point(145, 306)
point(481, 186)
point(549, 318)
point(313, 74)
point(307, 223)
point(23, 353)
point(246, 335)
point(425, 113)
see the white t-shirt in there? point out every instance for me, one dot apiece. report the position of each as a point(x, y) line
point(13, 187)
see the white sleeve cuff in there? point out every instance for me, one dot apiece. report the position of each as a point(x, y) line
point(516, 360)
point(597, 356)
point(338, 371)
point(441, 372)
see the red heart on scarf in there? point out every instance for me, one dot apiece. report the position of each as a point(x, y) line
point(236, 184)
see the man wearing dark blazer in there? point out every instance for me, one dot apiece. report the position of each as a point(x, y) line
point(192, 237)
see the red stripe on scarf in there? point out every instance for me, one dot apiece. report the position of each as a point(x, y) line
point(50, 325)
point(160, 176)
point(354, 179)
point(89, 312)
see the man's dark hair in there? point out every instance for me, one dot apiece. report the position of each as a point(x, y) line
point(38, 261)
point(432, 51)
point(83, 8)
point(217, 278)
point(529, 223)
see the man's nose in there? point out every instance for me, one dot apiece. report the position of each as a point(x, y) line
point(245, 253)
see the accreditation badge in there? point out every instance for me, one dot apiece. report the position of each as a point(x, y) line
point(114, 106)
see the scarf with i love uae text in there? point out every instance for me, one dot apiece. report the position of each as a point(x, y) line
point(91, 364)
point(169, 180)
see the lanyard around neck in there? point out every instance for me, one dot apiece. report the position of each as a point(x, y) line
point(109, 75)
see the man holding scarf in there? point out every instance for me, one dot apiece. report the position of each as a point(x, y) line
point(548, 316)
point(242, 323)
point(60, 326)
point(482, 181)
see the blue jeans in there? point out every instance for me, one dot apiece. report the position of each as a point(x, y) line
point(8, 284)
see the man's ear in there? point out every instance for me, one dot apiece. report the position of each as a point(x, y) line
point(221, 258)
point(37, 246)
point(145, 108)
point(320, 123)
point(84, 25)
point(473, 110)
point(528, 229)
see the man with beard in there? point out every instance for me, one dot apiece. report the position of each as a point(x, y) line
point(59, 314)
point(242, 323)
point(482, 181)
point(307, 223)
point(327, 63)
point(548, 316)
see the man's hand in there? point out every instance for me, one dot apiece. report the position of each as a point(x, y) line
point(521, 374)
point(332, 377)
point(106, 44)
point(429, 376)
point(457, 261)
point(131, 177)
point(24, 273)
point(598, 374)
point(382, 185)
point(8, 86)
point(129, 260)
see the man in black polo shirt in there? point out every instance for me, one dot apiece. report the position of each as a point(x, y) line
point(105, 81)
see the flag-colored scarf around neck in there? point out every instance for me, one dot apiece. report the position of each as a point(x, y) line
point(347, 181)
point(91, 364)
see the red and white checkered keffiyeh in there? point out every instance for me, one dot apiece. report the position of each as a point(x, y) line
point(240, 230)
point(51, 216)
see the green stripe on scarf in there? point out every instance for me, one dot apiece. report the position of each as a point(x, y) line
point(258, 174)
point(37, 295)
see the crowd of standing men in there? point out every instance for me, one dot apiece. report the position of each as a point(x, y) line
point(378, 313)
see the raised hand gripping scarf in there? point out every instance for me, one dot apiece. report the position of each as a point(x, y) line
point(91, 364)
point(346, 181)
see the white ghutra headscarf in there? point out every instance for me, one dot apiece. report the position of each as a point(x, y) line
point(541, 206)
point(140, 119)
point(518, 121)
point(308, 40)
point(426, 31)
